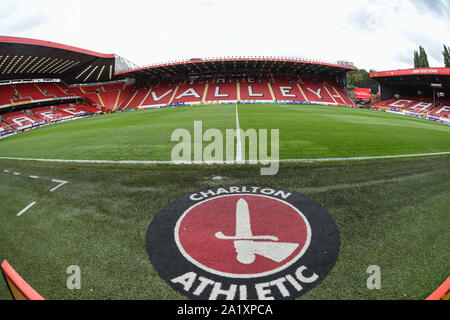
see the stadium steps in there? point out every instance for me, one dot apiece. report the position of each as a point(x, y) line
point(325, 85)
point(205, 93)
point(301, 90)
point(117, 99)
point(133, 95)
point(6, 125)
point(238, 86)
point(174, 94)
point(271, 91)
point(43, 93)
point(145, 98)
point(336, 95)
point(62, 90)
point(7, 92)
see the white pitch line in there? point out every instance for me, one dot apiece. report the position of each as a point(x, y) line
point(26, 208)
point(17, 173)
point(226, 162)
point(239, 157)
point(61, 183)
point(34, 177)
point(6, 171)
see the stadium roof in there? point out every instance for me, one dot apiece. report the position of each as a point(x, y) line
point(22, 58)
point(236, 65)
point(414, 77)
point(411, 72)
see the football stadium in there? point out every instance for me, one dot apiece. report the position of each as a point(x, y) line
point(238, 178)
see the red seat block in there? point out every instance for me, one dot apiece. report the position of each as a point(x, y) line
point(222, 90)
point(253, 90)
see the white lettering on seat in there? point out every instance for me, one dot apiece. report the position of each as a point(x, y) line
point(156, 98)
point(252, 94)
point(286, 92)
point(188, 93)
point(217, 94)
point(317, 93)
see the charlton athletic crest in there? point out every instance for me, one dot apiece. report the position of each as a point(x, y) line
point(243, 243)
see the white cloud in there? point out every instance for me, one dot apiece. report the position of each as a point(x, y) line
point(377, 34)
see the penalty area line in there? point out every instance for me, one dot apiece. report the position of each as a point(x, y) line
point(61, 183)
point(26, 208)
point(226, 162)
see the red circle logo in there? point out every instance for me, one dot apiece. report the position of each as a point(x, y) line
point(243, 236)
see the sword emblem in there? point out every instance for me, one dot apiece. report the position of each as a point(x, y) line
point(248, 245)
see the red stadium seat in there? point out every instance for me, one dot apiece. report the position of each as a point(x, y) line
point(222, 89)
point(55, 90)
point(30, 90)
point(5, 129)
point(251, 89)
point(285, 90)
point(19, 120)
point(316, 91)
point(50, 115)
point(158, 96)
point(189, 92)
point(7, 93)
point(442, 111)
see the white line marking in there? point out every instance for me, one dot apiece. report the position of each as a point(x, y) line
point(6, 170)
point(26, 208)
point(34, 177)
point(17, 173)
point(239, 156)
point(61, 183)
point(225, 162)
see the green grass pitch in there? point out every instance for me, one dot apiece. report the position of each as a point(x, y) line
point(305, 132)
point(391, 213)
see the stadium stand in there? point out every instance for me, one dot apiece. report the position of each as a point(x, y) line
point(288, 90)
point(95, 99)
point(222, 89)
point(78, 91)
point(252, 89)
point(30, 90)
point(55, 90)
point(227, 89)
point(78, 110)
point(418, 92)
point(442, 111)
point(78, 82)
point(21, 100)
point(316, 91)
point(7, 93)
point(189, 92)
point(5, 129)
point(159, 95)
point(20, 120)
point(339, 94)
point(137, 98)
point(50, 115)
point(417, 106)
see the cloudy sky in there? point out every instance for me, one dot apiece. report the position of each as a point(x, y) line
point(376, 34)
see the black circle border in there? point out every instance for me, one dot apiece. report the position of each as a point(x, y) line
point(169, 263)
